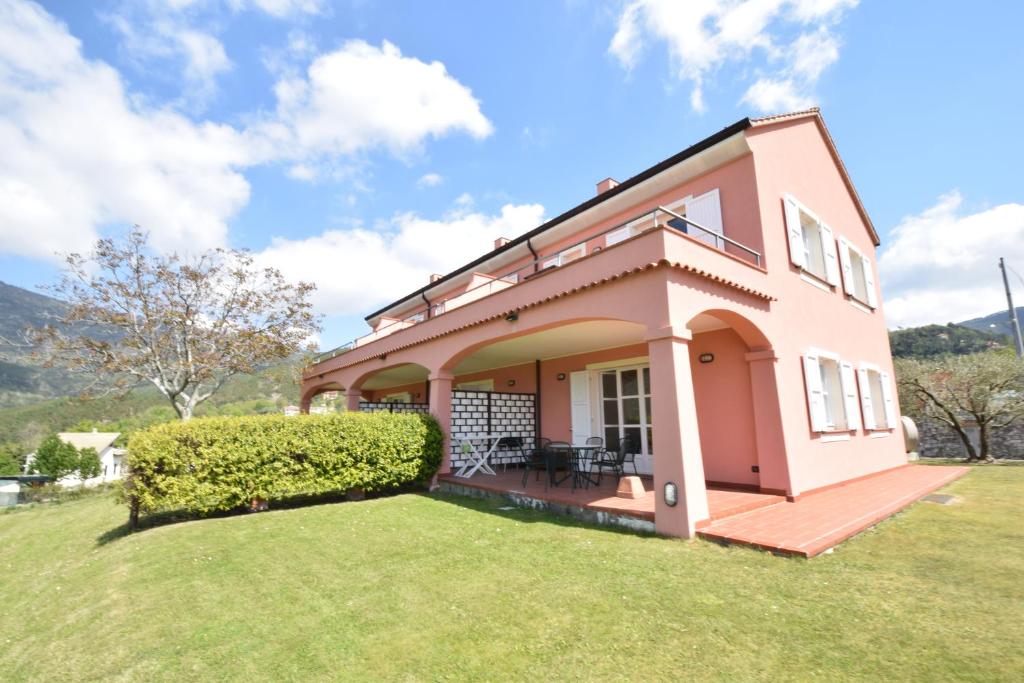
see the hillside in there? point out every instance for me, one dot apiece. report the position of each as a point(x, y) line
point(937, 340)
point(37, 401)
point(997, 322)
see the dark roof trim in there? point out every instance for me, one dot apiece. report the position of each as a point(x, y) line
point(690, 151)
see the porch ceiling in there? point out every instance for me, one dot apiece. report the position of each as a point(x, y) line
point(556, 342)
point(409, 373)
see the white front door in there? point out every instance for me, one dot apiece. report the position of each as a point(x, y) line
point(625, 411)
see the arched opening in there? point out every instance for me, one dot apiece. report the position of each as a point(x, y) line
point(724, 396)
point(321, 398)
point(402, 383)
point(561, 367)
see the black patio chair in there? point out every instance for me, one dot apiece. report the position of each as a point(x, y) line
point(535, 460)
point(614, 460)
point(560, 457)
point(511, 444)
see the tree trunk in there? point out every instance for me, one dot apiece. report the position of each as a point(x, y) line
point(972, 454)
point(984, 455)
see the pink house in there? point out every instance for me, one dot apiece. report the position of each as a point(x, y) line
point(719, 308)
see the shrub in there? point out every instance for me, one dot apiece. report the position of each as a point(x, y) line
point(56, 458)
point(223, 463)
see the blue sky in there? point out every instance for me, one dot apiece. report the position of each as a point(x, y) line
point(363, 145)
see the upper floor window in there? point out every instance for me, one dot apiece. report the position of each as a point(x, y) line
point(858, 277)
point(831, 392)
point(812, 244)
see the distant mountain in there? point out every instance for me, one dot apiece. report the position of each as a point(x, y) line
point(937, 340)
point(21, 308)
point(21, 380)
point(997, 322)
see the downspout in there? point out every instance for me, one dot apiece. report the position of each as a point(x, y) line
point(427, 301)
point(536, 256)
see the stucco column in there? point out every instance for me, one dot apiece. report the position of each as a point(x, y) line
point(352, 398)
point(441, 409)
point(771, 443)
point(677, 456)
point(304, 404)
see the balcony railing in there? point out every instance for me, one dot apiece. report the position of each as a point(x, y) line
point(494, 284)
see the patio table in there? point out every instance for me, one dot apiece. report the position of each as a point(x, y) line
point(582, 457)
point(471, 446)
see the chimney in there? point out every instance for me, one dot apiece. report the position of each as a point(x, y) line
point(500, 242)
point(607, 184)
point(435, 277)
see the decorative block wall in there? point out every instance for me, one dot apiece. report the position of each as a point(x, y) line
point(492, 412)
point(392, 407)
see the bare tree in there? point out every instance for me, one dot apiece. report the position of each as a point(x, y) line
point(984, 388)
point(184, 325)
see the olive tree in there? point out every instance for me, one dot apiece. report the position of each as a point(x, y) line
point(984, 388)
point(184, 325)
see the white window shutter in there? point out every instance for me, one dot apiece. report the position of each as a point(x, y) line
point(828, 246)
point(869, 283)
point(846, 265)
point(866, 399)
point(706, 211)
point(579, 396)
point(851, 401)
point(815, 395)
point(794, 232)
point(887, 398)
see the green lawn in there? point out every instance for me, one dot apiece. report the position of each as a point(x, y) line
point(428, 587)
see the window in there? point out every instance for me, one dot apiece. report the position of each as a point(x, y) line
point(858, 277)
point(831, 392)
point(400, 397)
point(812, 245)
point(876, 397)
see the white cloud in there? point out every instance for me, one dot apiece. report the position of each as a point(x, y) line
point(941, 265)
point(702, 36)
point(356, 268)
point(362, 97)
point(429, 180)
point(281, 9)
point(79, 152)
point(776, 95)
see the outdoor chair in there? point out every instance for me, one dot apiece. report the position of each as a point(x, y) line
point(536, 460)
point(511, 443)
point(560, 457)
point(614, 460)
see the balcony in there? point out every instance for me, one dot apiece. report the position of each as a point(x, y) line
point(483, 285)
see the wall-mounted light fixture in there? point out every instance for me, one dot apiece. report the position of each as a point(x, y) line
point(671, 494)
point(512, 317)
point(560, 376)
point(706, 357)
point(511, 382)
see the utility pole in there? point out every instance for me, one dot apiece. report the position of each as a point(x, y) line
point(1014, 325)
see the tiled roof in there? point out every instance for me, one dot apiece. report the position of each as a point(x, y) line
point(97, 440)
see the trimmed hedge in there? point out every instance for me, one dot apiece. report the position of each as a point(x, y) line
point(223, 463)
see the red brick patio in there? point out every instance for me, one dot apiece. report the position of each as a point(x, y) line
point(807, 527)
point(819, 521)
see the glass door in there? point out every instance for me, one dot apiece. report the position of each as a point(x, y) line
point(626, 409)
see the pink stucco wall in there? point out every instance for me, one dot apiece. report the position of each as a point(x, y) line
point(793, 158)
point(724, 408)
point(750, 404)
